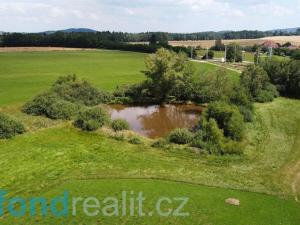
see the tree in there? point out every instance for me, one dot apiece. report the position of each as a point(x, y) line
point(209, 55)
point(153, 39)
point(298, 31)
point(257, 59)
point(219, 46)
point(254, 79)
point(296, 55)
point(162, 39)
point(234, 53)
point(164, 69)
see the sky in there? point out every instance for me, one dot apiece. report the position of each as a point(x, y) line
point(148, 15)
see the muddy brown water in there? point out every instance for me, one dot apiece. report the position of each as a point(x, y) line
point(157, 121)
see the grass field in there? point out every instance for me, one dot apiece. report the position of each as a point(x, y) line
point(53, 156)
point(206, 204)
point(50, 157)
point(24, 74)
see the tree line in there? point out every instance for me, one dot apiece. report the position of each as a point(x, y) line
point(17, 39)
point(103, 40)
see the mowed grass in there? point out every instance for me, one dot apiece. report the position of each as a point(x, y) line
point(205, 68)
point(206, 205)
point(25, 74)
point(53, 156)
point(51, 160)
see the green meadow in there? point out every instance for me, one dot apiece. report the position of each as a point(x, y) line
point(53, 156)
point(23, 75)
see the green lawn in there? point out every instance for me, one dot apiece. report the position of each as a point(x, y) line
point(206, 205)
point(47, 158)
point(25, 74)
point(53, 156)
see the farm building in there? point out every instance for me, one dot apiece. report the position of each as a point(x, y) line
point(270, 44)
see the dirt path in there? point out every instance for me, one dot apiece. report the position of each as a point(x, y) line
point(221, 66)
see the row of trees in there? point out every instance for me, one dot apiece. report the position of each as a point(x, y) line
point(15, 39)
point(103, 40)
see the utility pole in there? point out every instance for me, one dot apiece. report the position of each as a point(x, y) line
point(225, 59)
point(270, 52)
point(191, 52)
point(243, 56)
point(234, 53)
point(206, 53)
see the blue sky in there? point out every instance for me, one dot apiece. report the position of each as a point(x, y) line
point(148, 15)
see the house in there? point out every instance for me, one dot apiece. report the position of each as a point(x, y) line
point(270, 44)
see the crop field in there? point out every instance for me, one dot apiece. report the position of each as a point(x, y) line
point(295, 40)
point(53, 156)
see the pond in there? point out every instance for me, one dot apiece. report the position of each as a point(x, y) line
point(157, 121)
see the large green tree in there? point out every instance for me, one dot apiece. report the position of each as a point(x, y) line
point(254, 79)
point(234, 53)
point(164, 70)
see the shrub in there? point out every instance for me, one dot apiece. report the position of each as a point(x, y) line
point(10, 127)
point(264, 96)
point(247, 113)
point(272, 89)
point(210, 132)
point(198, 140)
point(63, 110)
point(232, 147)
point(71, 89)
point(135, 141)
point(228, 118)
point(296, 55)
point(91, 119)
point(180, 136)
point(210, 55)
point(160, 143)
point(119, 137)
point(211, 139)
point(120, 124)
point(234, 53)
point(235, 127)
point(41, 104)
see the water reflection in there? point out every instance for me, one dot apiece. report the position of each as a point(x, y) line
point(157, 121)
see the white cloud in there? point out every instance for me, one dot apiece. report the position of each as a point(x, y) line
point(143, 15)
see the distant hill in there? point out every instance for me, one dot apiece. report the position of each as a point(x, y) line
point(72, 30)
point(286, 30)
